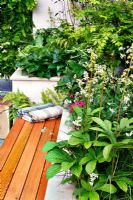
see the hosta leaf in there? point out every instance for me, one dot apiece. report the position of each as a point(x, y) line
point(107, 150)
point(49, 145)
point(76, 170)
point(53, 170)
point(90, 167)
point(86, 185)
point(67, 165)
point(58, 156)
point(93, 196)
point(100, 122)
point(122, 185)
point(111, 189)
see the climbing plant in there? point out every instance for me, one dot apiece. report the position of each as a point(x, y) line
point(15, 31)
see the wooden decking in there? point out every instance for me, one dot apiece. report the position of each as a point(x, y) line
point(22, 164)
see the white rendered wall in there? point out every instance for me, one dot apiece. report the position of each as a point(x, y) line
point(32, 86)
point(41, 16)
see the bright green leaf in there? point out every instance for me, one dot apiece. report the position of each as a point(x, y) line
point(67, 165)
point(76, 170)
point(90, 167)
point(111, 189)
point(93, 196)
point(87, 145)
point(86, 185)
point(49, 145)
point(122, 185)
point(53, 170)
point(107, 150)
point(100, 122)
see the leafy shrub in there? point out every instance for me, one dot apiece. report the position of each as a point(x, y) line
point(18, 100)
point(97, 156)
point(15, 31)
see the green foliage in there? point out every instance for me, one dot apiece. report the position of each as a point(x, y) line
point(52, 96)
point(18, 100)
point(15, 31)
point(99, 169)
point(107, 26)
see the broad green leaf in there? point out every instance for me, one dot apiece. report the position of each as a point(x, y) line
point(84, 196)
point(49, 145)
point(100, 122)
point(93, 196)
point(85, 160)
point(76, 170)
point(90, 167)
point(108, 124)
point(130, 121)
point(75, 141)
point(58, 156)
point(76, 134)
point(53, 170)
point(87, 145)
point(107, 150)
point(86, 185)
point(67, 165)
point(123, 123)
point(111, 189)
point(122, 185)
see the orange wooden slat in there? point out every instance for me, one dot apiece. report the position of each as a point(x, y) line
point(14, 157)
point(19, 178)
point(33, 179)
point(10, 140)
point(44, 181)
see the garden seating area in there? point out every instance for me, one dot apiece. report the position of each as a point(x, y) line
point(22, 164)
point(69, 65)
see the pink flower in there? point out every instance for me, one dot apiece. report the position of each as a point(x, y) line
point(77, 103)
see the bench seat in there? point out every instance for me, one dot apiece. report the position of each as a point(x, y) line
point(22, 164)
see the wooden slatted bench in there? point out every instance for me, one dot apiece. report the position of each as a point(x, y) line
point(22, 164)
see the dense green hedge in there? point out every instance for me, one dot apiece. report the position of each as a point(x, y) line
point(15, 31)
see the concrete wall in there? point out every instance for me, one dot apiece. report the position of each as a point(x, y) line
point(42, 14)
